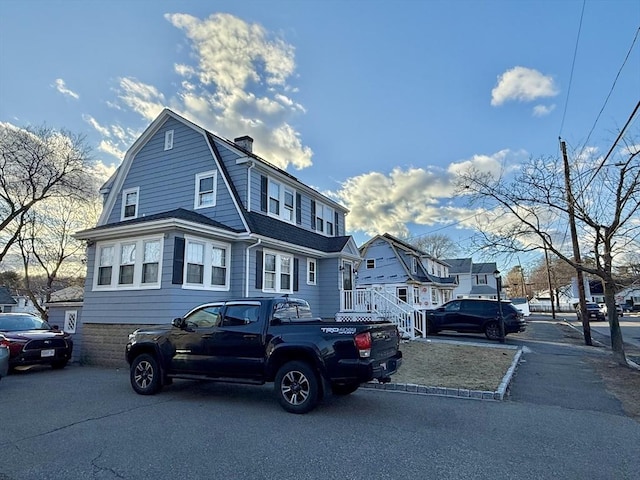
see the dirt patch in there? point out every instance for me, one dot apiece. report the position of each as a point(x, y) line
point(437, 364)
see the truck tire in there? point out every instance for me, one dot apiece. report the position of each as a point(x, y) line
point(145, 375)
point(344, 389)
point(297, 388)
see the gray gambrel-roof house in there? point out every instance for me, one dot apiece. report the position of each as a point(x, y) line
point(475, 280)
point(190, 217)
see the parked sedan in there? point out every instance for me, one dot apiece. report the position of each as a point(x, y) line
point(32, 341)
point(4, 356)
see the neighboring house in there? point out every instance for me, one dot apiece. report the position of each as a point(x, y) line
point(473, 280)
point(190, 217)
point(7, 302)
point(412, 275)
point(64, 311)
point(398, 282)
point(24, 304)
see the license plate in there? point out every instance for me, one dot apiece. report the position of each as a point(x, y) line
point(50, 352)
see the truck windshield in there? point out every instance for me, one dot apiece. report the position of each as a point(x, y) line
point(292, 310)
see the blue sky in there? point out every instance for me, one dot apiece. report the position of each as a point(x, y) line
point(376, 103)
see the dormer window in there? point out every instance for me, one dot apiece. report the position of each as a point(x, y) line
point(279, 200)
point(414, 265)
point(168, 140)
point(325, 219)
point(130, 203)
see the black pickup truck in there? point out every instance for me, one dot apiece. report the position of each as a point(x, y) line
point(259, 340)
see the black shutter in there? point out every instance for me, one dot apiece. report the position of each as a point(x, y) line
point(259, 269)
point(298, 209)
point(178, 261)
point(296, 274)
point(313, 214)
point(263, 193)
point(335, 223)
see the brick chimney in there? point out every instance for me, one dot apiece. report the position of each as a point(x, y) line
point(246, 143)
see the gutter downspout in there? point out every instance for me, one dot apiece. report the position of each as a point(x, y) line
point(246, 273)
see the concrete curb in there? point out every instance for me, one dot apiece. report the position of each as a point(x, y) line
point(415, 389)
point(630, 362)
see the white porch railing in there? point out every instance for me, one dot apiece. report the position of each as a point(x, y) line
point(410, 321)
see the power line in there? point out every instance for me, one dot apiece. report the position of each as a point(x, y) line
point(573, 64)
point(633, 42)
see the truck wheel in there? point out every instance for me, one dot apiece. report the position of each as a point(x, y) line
point(492, 331)
point(344, 389)
point(145, 375)
point(296, 386)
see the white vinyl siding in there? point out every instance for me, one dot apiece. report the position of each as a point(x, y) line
point(136, 262)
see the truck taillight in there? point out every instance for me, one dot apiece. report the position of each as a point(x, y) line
point(363, 343)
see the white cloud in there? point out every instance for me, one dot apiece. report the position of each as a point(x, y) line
point(543, 110)
point(234, 83)
point(94, 123)
point(523, 84)
point(389, 203)
point(62, 88)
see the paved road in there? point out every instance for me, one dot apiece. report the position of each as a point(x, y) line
point(86, 423)
point(629, 326)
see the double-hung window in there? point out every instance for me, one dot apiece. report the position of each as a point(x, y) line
point(206, 264)
point(277, 272)
point(281, 200)
point(130, 203)
point(274, 198)
point(206, 184)
point(325, 219)
point(130, 264)
point(105, 265)
point(127, 263)
point(311, 271)
point(151, 261)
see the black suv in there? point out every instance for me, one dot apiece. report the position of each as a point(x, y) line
point(475, 315)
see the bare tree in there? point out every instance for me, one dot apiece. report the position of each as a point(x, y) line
point(437, 245)
point(37, 163)
point(530, 212)
point(47, 246)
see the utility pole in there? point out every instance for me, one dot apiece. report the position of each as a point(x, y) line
point(586, 328)
point(553, 301)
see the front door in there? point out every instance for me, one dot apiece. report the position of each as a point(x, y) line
point(346, 285)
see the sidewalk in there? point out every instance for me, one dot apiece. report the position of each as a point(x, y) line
point(555, 371)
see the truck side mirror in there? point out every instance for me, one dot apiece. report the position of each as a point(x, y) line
point(178, 322)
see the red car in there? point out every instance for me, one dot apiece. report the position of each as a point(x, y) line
point(32, 341)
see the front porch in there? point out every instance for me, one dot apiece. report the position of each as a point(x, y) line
point(362, 305)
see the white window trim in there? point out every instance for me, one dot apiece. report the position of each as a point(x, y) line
point(135, 190)
point(283, 187)
point(312, 261)
point(206, 278)
point(70, 321)
point(168, 139)
point(196, 198)
point(137, 270)
point(278, 288)
point(327, 214)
